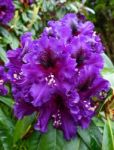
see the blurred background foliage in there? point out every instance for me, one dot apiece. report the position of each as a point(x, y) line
point(19, 135)
point(104, 22)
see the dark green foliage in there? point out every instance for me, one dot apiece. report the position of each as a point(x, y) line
point(104, 22)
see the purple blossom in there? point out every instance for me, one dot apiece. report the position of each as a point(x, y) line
point(6, 11)
point(71, 26)
point(3, 80)
point(58, 75)
point(84, 54)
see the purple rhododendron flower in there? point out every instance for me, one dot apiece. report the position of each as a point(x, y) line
point(6, 11)
point(58, 75)
point(3, 80)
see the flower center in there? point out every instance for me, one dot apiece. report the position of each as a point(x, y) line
point(80, 60)
point(74, 29)
point(50, 80)
point(81, 57)
point(47, 59)
point(17, 76)
point(57, 119)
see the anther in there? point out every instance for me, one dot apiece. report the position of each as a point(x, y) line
point(1, 82)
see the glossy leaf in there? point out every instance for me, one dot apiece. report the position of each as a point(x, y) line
point(108, 71)
point(91, 136)
point(86, 139)
point(6, 130)
point(5, 138)
point(107, 62)
point(108, 138)
point(6, 100)
point(3, 55)
point(33, 141)
point(53, 140)
point(5, 120)
point(22, 127)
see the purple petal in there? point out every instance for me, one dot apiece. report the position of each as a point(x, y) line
point(43, 119)
point(22, 109)
point(68, 125)
point(38, 90)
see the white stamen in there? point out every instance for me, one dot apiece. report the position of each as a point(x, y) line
point(50, 80)
point(86, 105)
point(103, 94)
point(54, 116)
point(17, 76)
point(76, 101)
point(92, 108)
point(1, 82)
point(57, 119)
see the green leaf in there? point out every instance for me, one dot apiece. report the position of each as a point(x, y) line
point(98, 121)
point(108, 138)
point(54, 140)
point(74, 8)
point(51, 140)
point(5, 138)
point(3, 55)
point(85, 136)
point(14, 43)
point(6, 35)
point(6, 100)
point(25, 17)
point(107, 61)
point(75, 144)
point(5, 120)
point(33, 141)
point(9, 38)
point(108, 71)
point(91, 136)
point(6, 130)
point(108, 74)
point(82, 146)
point(89, 10)
point(88, 139)
point(22, 127)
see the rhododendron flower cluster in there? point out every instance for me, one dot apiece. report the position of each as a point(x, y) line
point(6, 11)
point(58, 75)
